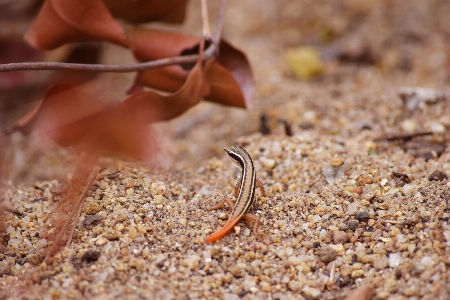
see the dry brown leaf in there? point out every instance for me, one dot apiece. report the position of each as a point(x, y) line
point(65, 114)
point(230, 76)
point(71, 116)
point(141, 11)
point(61, 21)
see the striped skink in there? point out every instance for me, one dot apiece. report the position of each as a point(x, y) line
point(244, 192)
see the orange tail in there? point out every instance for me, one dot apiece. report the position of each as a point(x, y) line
point(222, 231)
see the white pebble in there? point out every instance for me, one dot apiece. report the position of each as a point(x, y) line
point(408, 189)
point(427, 261)
point(295, 260)
point(268, 163)
point(352, 208)
point(316, 218)
point(311, 293)
point(394, 259)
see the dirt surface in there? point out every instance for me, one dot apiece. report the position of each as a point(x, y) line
point(355, 163)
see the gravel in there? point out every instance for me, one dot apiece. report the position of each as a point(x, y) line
point(350, 204)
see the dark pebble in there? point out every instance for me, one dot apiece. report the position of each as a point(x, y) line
point(353, 225)
point(362, 216)
point(90, 256)
point(438, 176)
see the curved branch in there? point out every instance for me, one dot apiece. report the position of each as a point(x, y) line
point(138, 67)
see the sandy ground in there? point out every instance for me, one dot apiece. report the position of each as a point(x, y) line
point(354, 164)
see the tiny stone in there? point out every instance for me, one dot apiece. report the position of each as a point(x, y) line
point(357, 273)
point(362, 216)
point(101, 241)
point(408, 189)
point(89, 219)
point(352, 208)
point(92, 208)
point(133, 233)
point(90, 256)
point(130, 192)
point(365, 179)
point(248, 284)
point(381, 263)
point(158, 188)
point(358, 190)
point(336, 161)
point(438, 176)
point(268, 163)
point(326, 254)
point(394, 259)
point(237, 271)
point(295, 286)
point(339, 249)
point(353, 224)
point(295, 260)
point(379, 248)
point(311, 293)
point(394, 231)
point(427, 262)
point(111, 234)
point(316, 218)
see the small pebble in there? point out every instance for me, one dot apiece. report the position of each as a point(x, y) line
point(295, 286)
point(438, 176)
point(339, 249)
point(101, 241)
point(237, 271)
point(311, 293)
point(381, 263)
point(336, 161)
point(357, 273)
point(130, 192)
point(90, 256)
point(326, 254)
point(352, 208)
point(92, 208)
point(353, 224)
point(394, 259)
point(362, 216)
point(340, 237)
point(268, 163)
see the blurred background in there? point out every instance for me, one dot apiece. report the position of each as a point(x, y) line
point(316, 64)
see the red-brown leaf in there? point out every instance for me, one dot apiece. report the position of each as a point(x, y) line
point(141, 11)
point(230, 76)
point(71, 116)
point(62, 21)
point(65, 114)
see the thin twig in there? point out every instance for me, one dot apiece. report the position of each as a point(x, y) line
point(205, 20)
point(28, 66)
point(220, 22)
